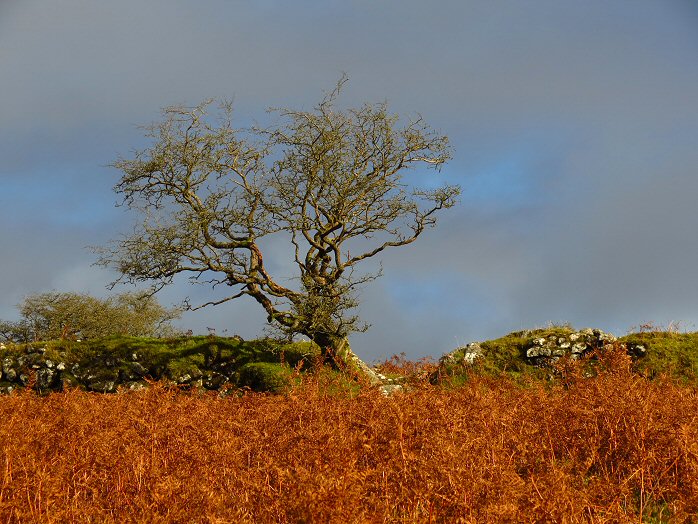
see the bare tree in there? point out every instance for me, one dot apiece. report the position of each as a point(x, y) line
point(329, 181)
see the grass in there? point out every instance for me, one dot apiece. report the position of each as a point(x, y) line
point(618, 447)
point(503, 355)
point(667, 352)
point(266, 376)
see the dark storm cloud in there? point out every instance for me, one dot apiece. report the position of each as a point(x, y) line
point(574, 126)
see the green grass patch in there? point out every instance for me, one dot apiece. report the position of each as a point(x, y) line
point(674, 354)
point(266, 376)
point(506, 355)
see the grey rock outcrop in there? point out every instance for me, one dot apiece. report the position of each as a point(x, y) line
point(467, 354)
point(546, 350)
point(540, 348)
point(388, 390)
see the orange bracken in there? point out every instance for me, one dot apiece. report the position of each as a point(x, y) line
point(613, 448)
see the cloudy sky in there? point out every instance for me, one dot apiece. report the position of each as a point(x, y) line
point(574, 127)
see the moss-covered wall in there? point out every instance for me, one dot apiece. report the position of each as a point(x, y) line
point(128, 362)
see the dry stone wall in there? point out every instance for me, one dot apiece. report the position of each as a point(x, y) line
point(543, 349)
point(32, 368)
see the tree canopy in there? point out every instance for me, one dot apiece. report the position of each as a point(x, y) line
point(54, 315)
point(328, 181)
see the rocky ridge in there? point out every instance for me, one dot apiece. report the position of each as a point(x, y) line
point(542, 348)
point(45, 370)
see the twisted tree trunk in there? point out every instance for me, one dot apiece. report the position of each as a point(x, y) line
point(337, 354)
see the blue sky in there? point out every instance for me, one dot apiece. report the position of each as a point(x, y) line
point(574, 127)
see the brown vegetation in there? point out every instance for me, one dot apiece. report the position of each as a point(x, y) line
point(613, 448)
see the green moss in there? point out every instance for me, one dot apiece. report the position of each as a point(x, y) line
point(305, 353)
point(124, 358)
point(178, 370)
point(265, 377)
point(675, 354)
point(195, 351)
point(503, 355)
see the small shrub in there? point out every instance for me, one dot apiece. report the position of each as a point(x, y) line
point(50, 316)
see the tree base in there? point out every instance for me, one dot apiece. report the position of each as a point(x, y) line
point(340, 357)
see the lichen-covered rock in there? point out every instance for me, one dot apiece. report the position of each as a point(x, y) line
point(9, 372)
point(46, 378)
point(388, 390)
point(103, 386)
point(184, 379)
point(466, 354)
point(132, 371)
point(133, 386)
point(529, 351)
point(636, 350)
point(544, 351)
point(214, 380)
point(103, 380)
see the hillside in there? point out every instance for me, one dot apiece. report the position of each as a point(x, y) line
point(215, 363)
